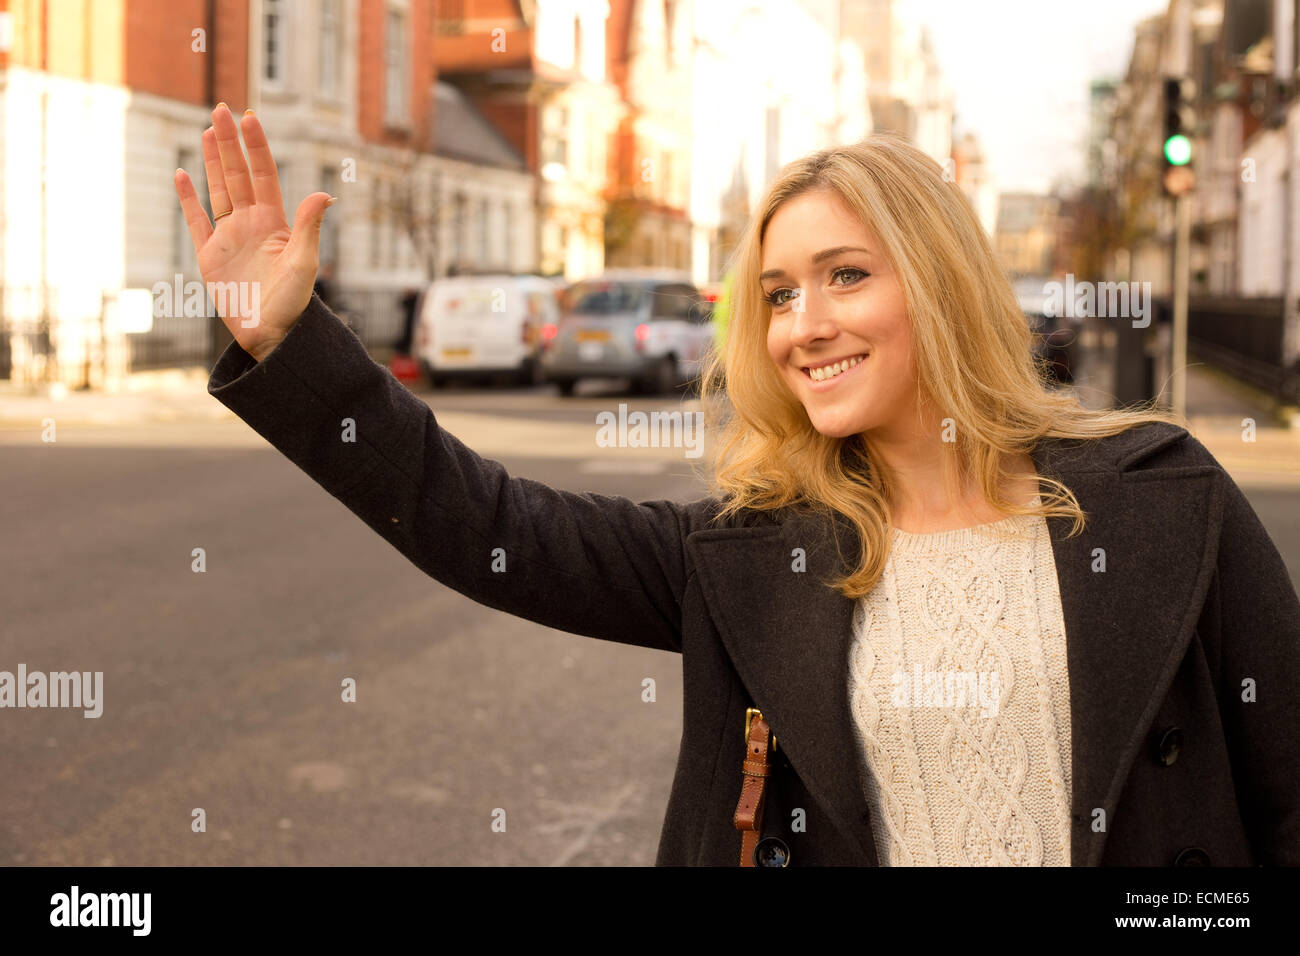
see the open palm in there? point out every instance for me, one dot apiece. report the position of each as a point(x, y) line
point(258, 271)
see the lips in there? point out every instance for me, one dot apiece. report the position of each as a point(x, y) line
point(825, 371)
point(835, 362)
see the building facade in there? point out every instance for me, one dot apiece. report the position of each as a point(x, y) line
point(348, 93)
point(539, 73)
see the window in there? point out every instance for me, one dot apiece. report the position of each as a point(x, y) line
point(273, 41)
point(376, 225)
point(391, 229)
point(181, 242)
point(669, 32)
point(330, 24)
point(329, 238)
point(665, 303)
point(507, 235)
point(673, 302)
point(395, 68)
point(700, 309)
point(605, 298)
point(461, 213)
point(484, 229)
point(556, 146)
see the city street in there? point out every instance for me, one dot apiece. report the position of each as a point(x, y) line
point(222, 690)
point(956, 233)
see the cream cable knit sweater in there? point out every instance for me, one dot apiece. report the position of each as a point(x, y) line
point(961, 700)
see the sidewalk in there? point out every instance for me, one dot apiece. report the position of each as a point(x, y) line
point(1220, 410)
point(168, 395)
point(173, 407)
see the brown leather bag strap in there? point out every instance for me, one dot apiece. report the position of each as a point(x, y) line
point(755, 768)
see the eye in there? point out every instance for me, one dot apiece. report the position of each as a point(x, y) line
point(774, 298)
point(851, 270)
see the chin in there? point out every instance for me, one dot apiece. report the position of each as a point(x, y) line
point(836, 427)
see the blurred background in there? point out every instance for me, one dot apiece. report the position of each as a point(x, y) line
point(537, 205)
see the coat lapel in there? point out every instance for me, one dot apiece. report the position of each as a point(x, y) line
point(789, 636)
point(1127, 627)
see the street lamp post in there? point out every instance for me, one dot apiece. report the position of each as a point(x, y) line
point(1179, 180)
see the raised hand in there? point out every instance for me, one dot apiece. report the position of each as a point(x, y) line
point(273, 267)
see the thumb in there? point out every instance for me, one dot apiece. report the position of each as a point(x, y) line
point(304, 241)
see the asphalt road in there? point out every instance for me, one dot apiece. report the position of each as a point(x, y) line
point(222, 690)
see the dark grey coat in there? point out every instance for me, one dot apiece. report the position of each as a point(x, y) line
point(1194, 605)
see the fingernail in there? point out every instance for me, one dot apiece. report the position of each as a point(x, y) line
point(248, 112)
point(221, 104)
point(331, 201)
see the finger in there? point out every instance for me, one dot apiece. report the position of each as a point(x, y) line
point(266, 179)
point(304, 242)
point(195, 217)
point(233, 167)
point(217, 195)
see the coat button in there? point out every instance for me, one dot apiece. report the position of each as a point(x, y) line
point(1169, 746)
point(1192, 856)
point(771, 851)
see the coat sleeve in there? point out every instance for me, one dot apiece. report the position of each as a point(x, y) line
point(1258, 616)
point(590, 564)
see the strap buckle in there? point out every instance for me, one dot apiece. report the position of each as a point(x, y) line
point(750, 713)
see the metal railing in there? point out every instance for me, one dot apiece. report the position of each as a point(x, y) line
point(1243, 336)
point(376, 315)
point(173, 342)
point(49, 338)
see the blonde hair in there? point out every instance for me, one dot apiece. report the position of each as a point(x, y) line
point(972, 346)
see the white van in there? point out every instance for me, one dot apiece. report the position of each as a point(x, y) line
point(486, 325)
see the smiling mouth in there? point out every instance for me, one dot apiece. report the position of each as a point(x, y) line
point(824, 373)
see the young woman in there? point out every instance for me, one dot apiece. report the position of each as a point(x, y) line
point(933, 612)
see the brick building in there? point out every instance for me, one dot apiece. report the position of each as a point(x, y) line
point(100, 102)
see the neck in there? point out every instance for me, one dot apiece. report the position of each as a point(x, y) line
point(924, 488)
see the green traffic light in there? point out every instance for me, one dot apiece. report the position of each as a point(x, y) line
point(1178, 150)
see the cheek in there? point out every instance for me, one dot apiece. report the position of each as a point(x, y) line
point(778, 347)
point(894, 330)
point(891, 335)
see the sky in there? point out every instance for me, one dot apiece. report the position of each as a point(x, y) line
point(1019, 71)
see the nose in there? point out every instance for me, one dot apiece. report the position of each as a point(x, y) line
point(811, 323)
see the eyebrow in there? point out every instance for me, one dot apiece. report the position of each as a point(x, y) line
point(819, 257)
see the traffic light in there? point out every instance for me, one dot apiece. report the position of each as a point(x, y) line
point(1176, 146)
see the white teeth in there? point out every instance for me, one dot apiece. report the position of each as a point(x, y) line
point(830, 371)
